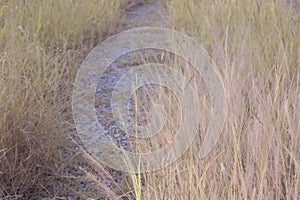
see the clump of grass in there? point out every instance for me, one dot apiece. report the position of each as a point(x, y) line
point(255, 45)
point(42, 44)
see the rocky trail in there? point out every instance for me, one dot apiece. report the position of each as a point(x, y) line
point(93, 181)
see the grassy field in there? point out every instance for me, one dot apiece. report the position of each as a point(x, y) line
point(256, 47)
point(42, 44)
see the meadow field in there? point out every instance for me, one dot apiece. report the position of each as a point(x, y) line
point(255, 45)
point(42, 46)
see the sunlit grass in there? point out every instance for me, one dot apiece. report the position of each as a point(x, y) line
point(255, 45)
point(42, 44)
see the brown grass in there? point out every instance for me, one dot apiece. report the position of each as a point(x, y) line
point(42, 44)
point(255, 45)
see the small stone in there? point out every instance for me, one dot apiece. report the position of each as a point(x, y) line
point(70, 197)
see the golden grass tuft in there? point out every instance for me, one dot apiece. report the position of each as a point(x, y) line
point(41, 46)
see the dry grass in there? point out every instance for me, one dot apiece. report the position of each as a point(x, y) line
point(256, 47)
point(42, 44)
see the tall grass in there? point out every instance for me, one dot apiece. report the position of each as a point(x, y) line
point(256, 47)
point(42, 44)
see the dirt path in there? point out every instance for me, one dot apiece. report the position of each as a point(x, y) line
point(146, 13)
point(141, 15)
